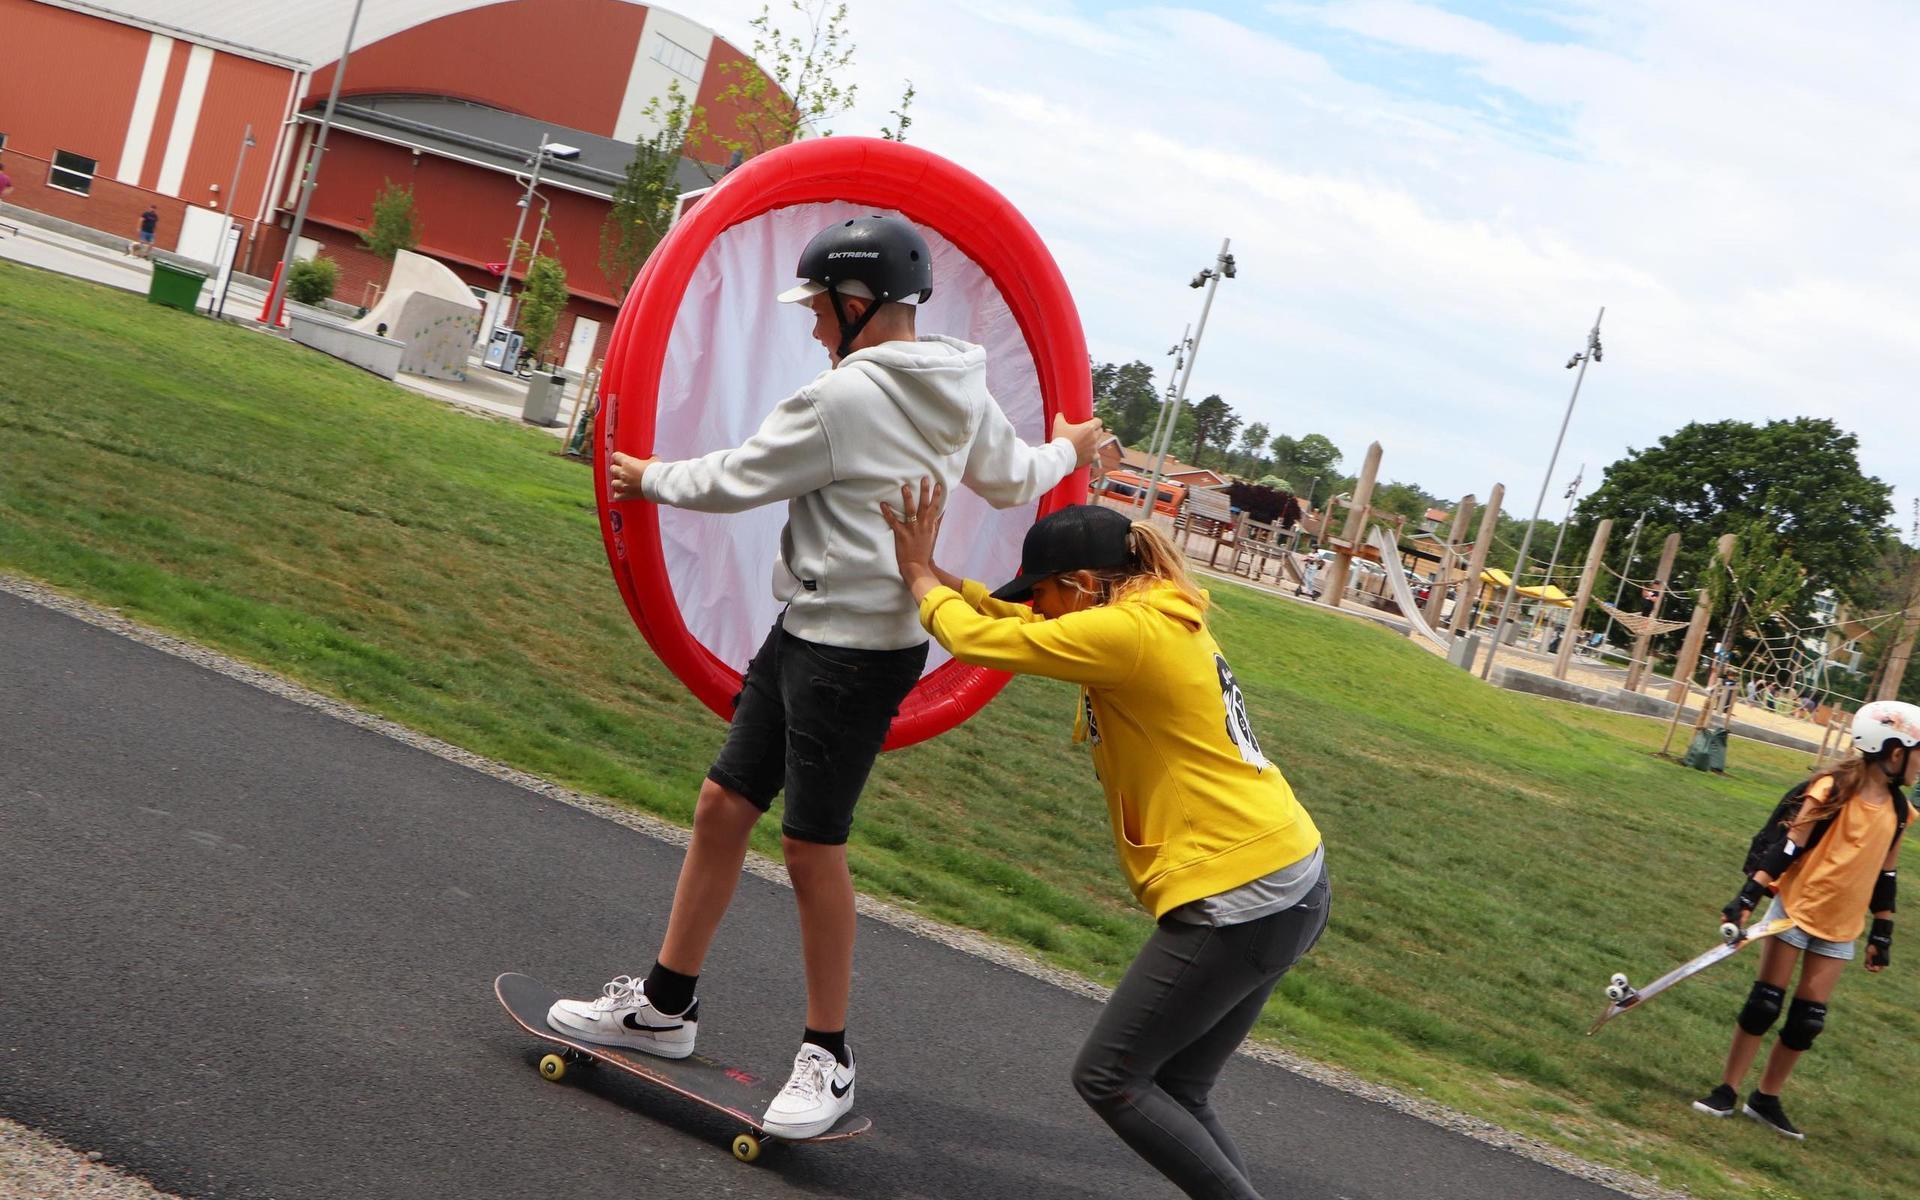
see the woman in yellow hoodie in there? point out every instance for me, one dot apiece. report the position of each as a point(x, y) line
point(1208, 832)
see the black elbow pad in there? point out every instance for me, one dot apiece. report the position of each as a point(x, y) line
point(1778, 858)
point(1883, 893)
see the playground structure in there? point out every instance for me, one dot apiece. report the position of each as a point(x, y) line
point(1780, 664)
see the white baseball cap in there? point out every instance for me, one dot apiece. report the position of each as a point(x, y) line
point(806, 291)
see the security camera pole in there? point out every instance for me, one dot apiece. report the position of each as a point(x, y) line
point(1222, 268)
point(1590, 354)
point(546, 149)
point(310, 177)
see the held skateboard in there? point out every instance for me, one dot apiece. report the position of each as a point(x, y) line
point(738, 1093)
point(1622, 995)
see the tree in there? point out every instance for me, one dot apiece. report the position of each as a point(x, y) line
point(796, 87)
point(1131, 402)
point(644, 199)
point(1253, 442)
point(1301, 460)
point(541, 302)
point(1799, 478)
point(393, 228)
point(1214, 423)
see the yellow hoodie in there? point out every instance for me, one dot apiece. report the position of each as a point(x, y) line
point(1196, 808)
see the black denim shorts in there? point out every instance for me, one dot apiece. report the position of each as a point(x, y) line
point(810, 719)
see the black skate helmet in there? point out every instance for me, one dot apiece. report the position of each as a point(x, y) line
point(869, 258)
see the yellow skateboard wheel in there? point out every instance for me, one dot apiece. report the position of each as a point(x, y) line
point(553, 1067)
point(746, 1147)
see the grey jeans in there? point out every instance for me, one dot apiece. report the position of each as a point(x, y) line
point(1185, 1004)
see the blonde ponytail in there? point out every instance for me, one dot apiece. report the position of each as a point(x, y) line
point(1156, 560)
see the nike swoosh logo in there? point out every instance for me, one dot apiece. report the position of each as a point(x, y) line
point(840, 1093)
point(630, 1023)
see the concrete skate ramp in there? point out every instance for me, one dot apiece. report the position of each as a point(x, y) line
point(427, 307)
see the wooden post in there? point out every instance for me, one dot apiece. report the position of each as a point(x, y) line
point(1437, 597)
point(1902, 653)
point(1354, 530)
point(1580, 599)
point(1683, 667)
point(1637, 662)
point(1477, 561)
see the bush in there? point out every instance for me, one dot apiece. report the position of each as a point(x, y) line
point(312, 280)
point(1265, 504)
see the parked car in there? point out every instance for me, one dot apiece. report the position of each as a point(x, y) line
point(1128, 485)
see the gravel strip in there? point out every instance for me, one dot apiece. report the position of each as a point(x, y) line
point(35, 1167)
point(978, 946)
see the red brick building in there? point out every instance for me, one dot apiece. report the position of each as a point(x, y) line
point(109, 106)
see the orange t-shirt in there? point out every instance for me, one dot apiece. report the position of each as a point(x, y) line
point(1827, 889)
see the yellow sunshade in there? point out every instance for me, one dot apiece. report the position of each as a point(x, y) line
point(1549, 594)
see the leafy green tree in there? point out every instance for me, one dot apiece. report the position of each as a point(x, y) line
point(1214, 424)
point(797, 86)
point(1253, 446)
point(644, 199)
point(541, 303)
point(393, 228)
point(1304, 459)
point(1800, 478)
point(1131, 401)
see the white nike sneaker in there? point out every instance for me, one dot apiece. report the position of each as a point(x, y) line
point(819, 1092)
point(622, 1016)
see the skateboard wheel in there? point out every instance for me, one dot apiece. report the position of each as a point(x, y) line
point(746, 1147)
point(553, 1067)
point(1730, 932)
point(1616, 992)
point(1618, 980)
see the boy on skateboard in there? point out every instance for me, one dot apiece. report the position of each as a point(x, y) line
point(822, 690)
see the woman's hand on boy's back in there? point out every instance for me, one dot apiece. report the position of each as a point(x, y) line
point(916, 528)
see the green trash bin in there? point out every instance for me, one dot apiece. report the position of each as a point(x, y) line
point(176, 287)
point(1708, 751)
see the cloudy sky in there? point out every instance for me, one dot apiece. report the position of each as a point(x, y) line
point(1430, 202)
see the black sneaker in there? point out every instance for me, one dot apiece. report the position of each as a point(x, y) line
point(1719, 1102)
point(1766, 1110)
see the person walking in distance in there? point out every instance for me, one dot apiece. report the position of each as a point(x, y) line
point(149, 223)
point(1834, 869)
point(820, 694)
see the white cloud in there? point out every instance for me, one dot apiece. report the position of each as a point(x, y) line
point(1427, 210)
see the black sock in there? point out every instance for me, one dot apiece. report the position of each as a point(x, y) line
point(835, 1043)
point(668, 990)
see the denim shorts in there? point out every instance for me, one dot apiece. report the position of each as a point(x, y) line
point(1800, 939)
point(810, 720)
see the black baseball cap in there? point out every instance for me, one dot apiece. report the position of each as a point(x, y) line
point(1083, 537)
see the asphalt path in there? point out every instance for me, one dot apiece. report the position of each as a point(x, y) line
point(246, 950)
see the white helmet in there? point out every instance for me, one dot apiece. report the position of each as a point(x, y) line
point(1886, 720)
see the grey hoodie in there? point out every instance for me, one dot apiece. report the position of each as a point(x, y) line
point(889, 414)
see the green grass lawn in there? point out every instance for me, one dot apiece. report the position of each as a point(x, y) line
point(1494, 856)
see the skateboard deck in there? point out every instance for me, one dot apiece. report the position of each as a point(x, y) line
point(1630, 997)
point(739, 1093)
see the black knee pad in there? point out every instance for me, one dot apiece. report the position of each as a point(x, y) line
point(1762, 1008)
point(1805, 1020)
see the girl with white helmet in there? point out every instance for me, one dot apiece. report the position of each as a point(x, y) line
point(1834, 869)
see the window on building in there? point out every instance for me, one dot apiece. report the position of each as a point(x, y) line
point(72, 172)
point(677, 58)
point(3, 141)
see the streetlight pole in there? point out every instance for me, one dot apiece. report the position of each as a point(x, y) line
point(513, 249)
point(226, 280)
point(1223, 268)
point(1632, 548)
point(310, 175)
point(1590, 355)
point(1179, 354)
point(1553, 562)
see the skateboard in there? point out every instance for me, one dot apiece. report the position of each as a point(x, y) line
point(1622, 995)
point(739, 1093)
